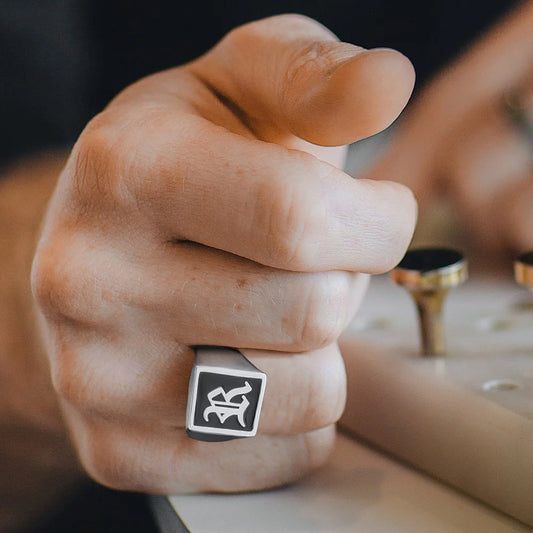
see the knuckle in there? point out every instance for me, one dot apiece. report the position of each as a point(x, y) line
point(64, 378)
point(94, 148)
point(63, 283)
point(300, 26)
point(397, 228)
point(319, 446)
point(52, 280)
point(102, 461)
point(43, 282)
point(239, 37)
point(294, 219)
point(101, 158)
point(326, 395)
point(330, 397)
point(314, 56)
point(405, 226)
point(324, 313)
point(166, 154)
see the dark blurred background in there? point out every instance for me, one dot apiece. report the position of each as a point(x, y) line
point(62, 60)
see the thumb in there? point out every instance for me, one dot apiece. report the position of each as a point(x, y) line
point(289, 74)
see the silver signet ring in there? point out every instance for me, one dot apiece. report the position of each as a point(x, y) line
point(225, 395)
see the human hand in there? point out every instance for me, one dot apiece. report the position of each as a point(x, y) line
point(195, 210)
point(455, 140)
point(488, 168)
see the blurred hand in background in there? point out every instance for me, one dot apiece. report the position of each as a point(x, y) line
point(459, 141)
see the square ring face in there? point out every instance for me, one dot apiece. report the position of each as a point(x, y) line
point(225, 402)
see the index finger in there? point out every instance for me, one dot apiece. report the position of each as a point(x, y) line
point(279, 207)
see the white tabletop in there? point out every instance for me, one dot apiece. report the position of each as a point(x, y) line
point(360, 490)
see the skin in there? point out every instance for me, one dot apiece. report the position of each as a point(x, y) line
point(205, 205)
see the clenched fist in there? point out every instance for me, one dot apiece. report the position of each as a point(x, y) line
point(205, 206)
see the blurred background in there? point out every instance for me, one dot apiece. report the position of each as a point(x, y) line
point(63, 60)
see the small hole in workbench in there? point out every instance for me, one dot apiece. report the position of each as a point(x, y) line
point(500, 385)
point(371, 324)
point(492, 323)
point(524, 306)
